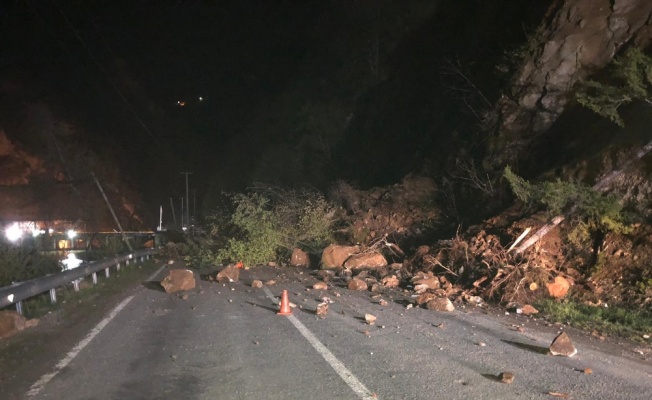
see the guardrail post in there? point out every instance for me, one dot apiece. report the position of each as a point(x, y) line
point(75, 284)
point(117, 267)
point(106, 272)
point(19, 307)
point(127, 262)
point(94, 278)
point(53, 295)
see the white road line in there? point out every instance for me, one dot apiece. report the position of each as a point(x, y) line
point(38, 386)
point(347, 376)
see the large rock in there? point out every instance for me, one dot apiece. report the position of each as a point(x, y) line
point(365, 260)
point(178, 280)
point(335, 255)
point(229, 274)
point(299, 258)
point(10, 323)
point(562, 346)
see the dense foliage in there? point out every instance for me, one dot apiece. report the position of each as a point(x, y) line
point(266, 224)
point(19, 263)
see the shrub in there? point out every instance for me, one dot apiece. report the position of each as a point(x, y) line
point(266, 223)
point(19, 263)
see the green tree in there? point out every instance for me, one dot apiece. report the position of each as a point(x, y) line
point(629, 79)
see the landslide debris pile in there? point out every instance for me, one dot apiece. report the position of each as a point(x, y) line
point(479, 264)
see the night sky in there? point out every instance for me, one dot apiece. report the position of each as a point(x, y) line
point(120, 69)
point(287, 88)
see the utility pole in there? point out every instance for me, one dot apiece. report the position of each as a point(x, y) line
point(186, 173)
point(115, 218)
point(174, 216)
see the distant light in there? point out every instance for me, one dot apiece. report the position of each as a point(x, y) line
point(36, 232)
point(50, 231)
point(13, 232)
point(181, 103)
point(201, 98)
point(72, 234)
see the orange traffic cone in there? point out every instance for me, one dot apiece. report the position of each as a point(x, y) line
point(285, 304)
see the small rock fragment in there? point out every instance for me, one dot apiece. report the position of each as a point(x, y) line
point(256, 284)
point(425, 297)
point(506, 377)
point(371, 319)
point(562, 346)
point(270, 282)
point(588, 371)
point(560, 394)
point(357, 284)
point(377, 288)
point(320, 286)
point(529, 310)
point(322, 309)
point(390, 281)
point(228, 274)
point(382, 302)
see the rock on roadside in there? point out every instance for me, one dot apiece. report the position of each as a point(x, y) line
point(178, 280)
point(229, 274)
point(562, 346)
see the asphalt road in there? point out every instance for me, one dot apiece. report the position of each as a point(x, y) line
point(225, 341)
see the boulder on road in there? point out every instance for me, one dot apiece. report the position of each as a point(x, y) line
point(365, 260)
point(229, 274)
point(299, 258)
point(178, 280)
point(562, 346)
point(335, 255)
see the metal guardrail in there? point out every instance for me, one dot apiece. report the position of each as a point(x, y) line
point(15, 294)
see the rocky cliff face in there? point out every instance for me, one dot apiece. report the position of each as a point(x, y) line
point(577, 38)
point(44, 176)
